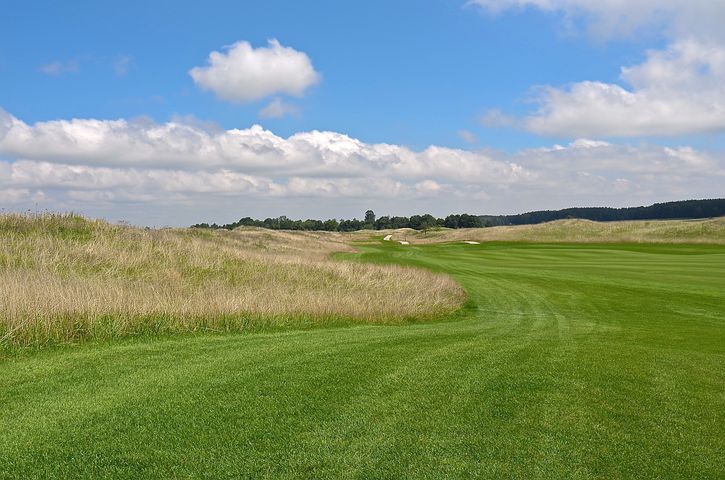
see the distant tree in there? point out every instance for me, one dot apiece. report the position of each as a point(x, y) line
point(370, 218)
point(310, 224)
point(415, 222)
point(468, 221)
point(399, 222)
point(330, 225)
point(451, 221)
point(270, 223)
point(383, 223)
point(247, 222)
point(427, 221)
point(350, 225)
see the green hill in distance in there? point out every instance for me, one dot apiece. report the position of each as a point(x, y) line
point(683, 209)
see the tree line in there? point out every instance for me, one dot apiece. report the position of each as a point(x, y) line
point(369, 222)
point(683, 209)
point(659, 211)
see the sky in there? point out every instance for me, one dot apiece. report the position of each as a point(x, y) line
point(172, 113)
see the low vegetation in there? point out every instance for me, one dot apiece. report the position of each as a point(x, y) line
point(65, 278)
point(709, 231)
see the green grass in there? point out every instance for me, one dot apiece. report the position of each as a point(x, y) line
point(571, 361)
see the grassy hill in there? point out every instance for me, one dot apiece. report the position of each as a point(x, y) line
point(64, 278)
point(572, 361)
point(708, 231)
point(683, 209)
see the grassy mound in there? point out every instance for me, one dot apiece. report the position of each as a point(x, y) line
point(66, 278)
point(709, 231)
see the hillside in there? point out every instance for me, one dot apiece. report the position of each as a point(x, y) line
point(684, 209)
point(710, 231)
point(66, 278)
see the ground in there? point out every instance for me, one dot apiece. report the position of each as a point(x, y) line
point(569, 361)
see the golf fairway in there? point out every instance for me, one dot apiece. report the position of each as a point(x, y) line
point(569, 361)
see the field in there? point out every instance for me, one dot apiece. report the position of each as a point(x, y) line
point(707, 231)
point(581, 360)
point(64, 278)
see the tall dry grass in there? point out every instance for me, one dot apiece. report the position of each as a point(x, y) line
point(710, 231)
point(66, 278)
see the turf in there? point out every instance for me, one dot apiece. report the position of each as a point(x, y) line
point(571, 361)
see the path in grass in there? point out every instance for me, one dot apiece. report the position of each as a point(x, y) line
point(573, 361)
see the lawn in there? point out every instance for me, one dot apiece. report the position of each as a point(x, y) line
point(569, 361)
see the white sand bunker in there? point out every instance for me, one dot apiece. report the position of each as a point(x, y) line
point(403, 242)
point(471, 242)
point(388, 237)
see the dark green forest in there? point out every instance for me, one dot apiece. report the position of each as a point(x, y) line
point(684, 209)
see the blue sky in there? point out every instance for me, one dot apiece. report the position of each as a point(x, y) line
point(392, 71)
point(407, 73)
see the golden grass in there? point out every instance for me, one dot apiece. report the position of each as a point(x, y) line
point(66, 278)
point(711, 231)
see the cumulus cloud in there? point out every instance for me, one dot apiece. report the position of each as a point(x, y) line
point(613, 18)
point(243, 73)
point(675, 91)
point(278, 108)
point(192, 146)
point(105, 167)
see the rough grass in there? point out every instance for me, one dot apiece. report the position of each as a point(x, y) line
point(64, 278)
point(708, 231)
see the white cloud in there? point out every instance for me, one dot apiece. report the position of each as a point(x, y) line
point(613, 18)
point(676, 91)
point(112, 167)
point(144, 144)
point(123, 64)
point(467, 136)
point(429, 188)
point(496, 118)
point(243, 73)
point(11, 196)
point(278, 108)
point(59, 67)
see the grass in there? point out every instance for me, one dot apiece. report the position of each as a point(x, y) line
point(64, 278)
point(707, 231)
point(572, 361)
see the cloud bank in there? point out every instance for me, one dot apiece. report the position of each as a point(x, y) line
point(115, 167)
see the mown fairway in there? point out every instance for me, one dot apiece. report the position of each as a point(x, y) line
point(574, 361)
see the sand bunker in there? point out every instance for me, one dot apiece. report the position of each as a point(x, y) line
point(403, 242)
point(388, 237)
point(471, 242)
